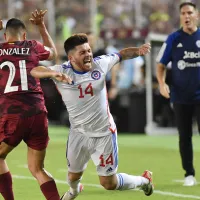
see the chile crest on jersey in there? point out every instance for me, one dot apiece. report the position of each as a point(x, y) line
point(96, 75)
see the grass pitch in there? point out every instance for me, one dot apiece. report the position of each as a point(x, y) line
point(137, 153)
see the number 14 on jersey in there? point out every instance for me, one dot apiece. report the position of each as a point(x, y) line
point(88, 90)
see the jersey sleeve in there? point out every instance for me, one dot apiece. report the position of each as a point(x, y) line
point(106, 62)
point(43, 53)
point(165, 53)
point(57, 68)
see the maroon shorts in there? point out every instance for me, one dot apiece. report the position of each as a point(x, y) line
point(33, 130)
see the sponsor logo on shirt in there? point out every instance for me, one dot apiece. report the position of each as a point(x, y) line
point(109, 169)
point(179, 45)
point(198, 43)
point(191, 55)
point(96, 75)
point(182, 64)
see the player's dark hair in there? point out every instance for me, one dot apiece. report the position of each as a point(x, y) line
point(187, 4)
point(75, 40)
point(14, 26)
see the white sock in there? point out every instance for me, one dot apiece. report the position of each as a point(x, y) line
point(74, 186)
point(127, 182)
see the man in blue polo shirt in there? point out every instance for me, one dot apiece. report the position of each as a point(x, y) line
point(182, 49)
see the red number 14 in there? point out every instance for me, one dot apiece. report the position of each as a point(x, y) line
point(88, 90)
point(108, 161)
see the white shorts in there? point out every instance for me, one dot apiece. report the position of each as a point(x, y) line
point(102, 150)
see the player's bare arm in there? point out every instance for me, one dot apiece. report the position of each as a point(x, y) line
point(161, 75)
point(113, 91)
point(133, 52)
point(38, 20)
point(43, 72)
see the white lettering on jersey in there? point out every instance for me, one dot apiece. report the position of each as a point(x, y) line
point(191, 55)
point(17, 51)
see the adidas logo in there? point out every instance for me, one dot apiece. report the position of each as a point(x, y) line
point(109, 169)
point(179, 45)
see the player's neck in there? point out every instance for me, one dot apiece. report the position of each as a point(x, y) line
point(190, 31)
point(10, 41)
point(14, 39)
point(78, 69)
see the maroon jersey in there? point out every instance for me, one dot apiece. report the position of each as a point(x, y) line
point(20, 93)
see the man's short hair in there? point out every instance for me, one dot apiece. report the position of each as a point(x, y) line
point(14, 26)
point(187, 3)
point(15, 23)
point(75, 40)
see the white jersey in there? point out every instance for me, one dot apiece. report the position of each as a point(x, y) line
point(86, 99)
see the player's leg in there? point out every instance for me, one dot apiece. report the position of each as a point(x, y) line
point(123, 181)
point(73, 180)
point(37, 141)
point(184, 115)
point(9, 138)
point(77, 154)
point(5, 176)
point(45, 180)
point(197, 112)
point(106, 160)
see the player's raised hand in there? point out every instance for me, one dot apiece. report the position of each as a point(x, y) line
point(38, 17)
point(1, 24)
point(144, 49)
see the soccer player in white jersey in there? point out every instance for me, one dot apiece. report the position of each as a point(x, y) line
point(93, 133)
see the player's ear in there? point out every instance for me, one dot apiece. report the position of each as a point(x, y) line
point(198, 15)
point(70, 58)
point(24, 35)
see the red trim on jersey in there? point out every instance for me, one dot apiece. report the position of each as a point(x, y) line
point(113, 131)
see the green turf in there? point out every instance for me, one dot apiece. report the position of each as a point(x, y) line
point(136, 153)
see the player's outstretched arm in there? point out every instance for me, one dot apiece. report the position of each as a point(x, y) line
point(133, 52)
point(43, 72)
point(38, 20)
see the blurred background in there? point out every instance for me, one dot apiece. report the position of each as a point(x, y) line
point(134, 96)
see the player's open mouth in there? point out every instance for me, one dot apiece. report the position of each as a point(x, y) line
point(87, 61)
point(187, 22)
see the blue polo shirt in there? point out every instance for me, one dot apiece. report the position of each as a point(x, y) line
point(183, 51)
